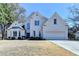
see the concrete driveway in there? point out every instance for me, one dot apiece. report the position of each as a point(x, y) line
point(72, 46)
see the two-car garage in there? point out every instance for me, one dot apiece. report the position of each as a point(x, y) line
point(55, 28)
point(54, 35)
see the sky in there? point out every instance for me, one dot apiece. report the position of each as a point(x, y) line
point(48, 9)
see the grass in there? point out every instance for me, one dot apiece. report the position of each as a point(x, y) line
point(31, 48)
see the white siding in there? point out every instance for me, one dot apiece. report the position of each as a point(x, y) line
point(10, 30)
point(35, 28)
point(55, 31)
point(26, 27)
point(38, 28)
point(48, 29)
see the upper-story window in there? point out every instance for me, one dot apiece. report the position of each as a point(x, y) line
point(37, 22)
point(55, 21)
point(28, 25)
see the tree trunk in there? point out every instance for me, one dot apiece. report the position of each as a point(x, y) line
point(3, 31)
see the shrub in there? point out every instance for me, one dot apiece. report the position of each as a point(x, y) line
point(71, 36)
point(23, 37)
point(19, 38)
point(13, 38)
point(35, 38)
point(9, 38)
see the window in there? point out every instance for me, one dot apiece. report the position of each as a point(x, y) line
point(39, 34)
point(28, 25)
point(55, 21)
point(19, 33)
point(34, 33)
point(14, 33)
point(36, 22)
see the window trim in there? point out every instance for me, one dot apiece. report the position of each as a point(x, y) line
point(36, 22)
point(28, 25)
point(14, 32)
point(34, 33)
point(55, 21)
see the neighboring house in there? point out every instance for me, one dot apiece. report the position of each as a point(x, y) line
point(34, 25)
point(77, 35)
point(15, 31)
point(55, 28)
point(39, 26)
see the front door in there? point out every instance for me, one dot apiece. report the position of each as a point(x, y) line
point(28, 35)
point(14, 33)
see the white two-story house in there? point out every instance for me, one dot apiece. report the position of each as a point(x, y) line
point(34, 25)
point(39, 26)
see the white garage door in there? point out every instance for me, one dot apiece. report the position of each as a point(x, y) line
point(54, 34)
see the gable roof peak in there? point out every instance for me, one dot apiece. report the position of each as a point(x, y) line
point(55, 13)
point(35, 12)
